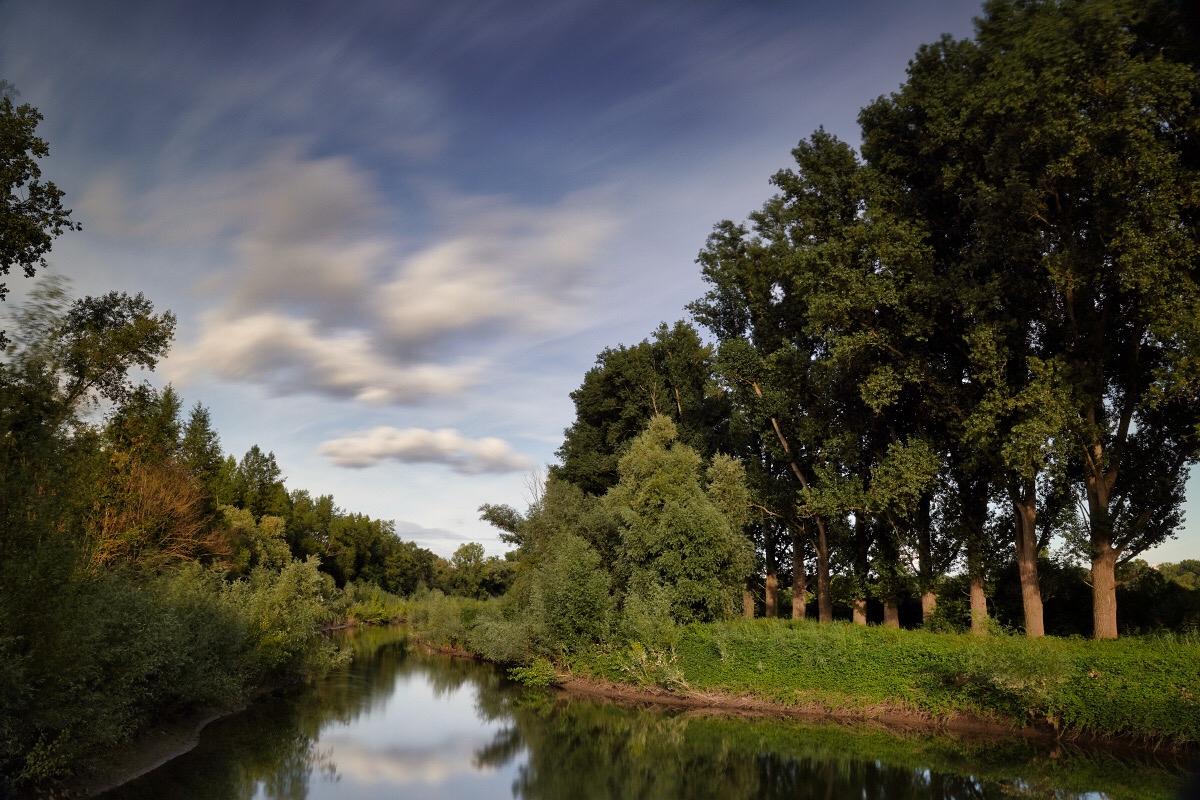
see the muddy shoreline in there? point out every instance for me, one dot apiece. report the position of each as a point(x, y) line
point(888, 717)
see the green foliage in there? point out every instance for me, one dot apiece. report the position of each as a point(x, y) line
point(646, 617)
point(538, 675)
point(1186, 573)
point(31, 212)
point(117, 652)
point(564, 604)
point(200, 448)
point(1025, 677)
point(260, 544)
point(282, 610)
point(367, 603)
point(647, 666)
point(674, 535)
point(441, 620)
point(670, 375)
point(575, 594)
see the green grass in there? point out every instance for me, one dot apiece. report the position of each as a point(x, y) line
point(1143, 688)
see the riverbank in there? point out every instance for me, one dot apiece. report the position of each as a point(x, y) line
point(152, 748)
point(158, 743)
point(1142, 690)
point(1139, 690)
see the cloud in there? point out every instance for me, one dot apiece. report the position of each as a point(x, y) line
point(415, 532)
point(430, 764)
point(516, 268)
point(319, 298)
point(291, 355)
point(421, 446)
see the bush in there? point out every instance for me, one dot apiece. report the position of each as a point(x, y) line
point(282, 611)
point(443, 621)
point(538, 675)
point(367, 603)
point(576, 597)
point(122, 649)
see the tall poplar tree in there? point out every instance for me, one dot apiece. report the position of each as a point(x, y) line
point(1053, 161)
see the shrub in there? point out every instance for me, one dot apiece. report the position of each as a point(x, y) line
point(538, 675)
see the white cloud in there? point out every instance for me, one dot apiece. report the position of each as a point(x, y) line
point(319, 298)
point(435, 764)
point(421, 446)
point(519, 268)
point(294, 355)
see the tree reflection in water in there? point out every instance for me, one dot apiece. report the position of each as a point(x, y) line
point(543, 746)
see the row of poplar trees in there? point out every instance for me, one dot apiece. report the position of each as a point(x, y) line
point(980, 330)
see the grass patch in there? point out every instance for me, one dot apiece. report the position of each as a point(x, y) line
point(1143, 688)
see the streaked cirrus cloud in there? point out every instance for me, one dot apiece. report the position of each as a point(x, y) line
point(420, 446)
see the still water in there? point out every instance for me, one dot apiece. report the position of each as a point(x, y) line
point(402, 723)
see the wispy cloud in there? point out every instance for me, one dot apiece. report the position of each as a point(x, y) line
point(321, 297)
point(517, 268)
point(420, 446)
point(293, 356)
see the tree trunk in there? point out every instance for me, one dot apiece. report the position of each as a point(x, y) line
point(862, 546)
point(824, 603)
point(925, 572)
point(771, 600)
point(1104, 592)
point(860, 611)
point(747, 600)
point(978, 606)
point(799, 584)
point(973, 504)
point(1024, 500)
point(891, 615)
point(824, 600)
point(928, 604)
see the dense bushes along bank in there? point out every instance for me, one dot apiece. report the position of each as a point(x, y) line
point(1144, 688)
point(122, 652)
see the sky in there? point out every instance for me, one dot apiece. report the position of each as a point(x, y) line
point(397, 234)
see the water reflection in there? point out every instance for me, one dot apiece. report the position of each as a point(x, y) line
point(399, 722)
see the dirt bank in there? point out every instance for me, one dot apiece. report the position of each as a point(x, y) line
point(896, 718)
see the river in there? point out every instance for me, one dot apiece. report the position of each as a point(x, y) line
point(399, 722)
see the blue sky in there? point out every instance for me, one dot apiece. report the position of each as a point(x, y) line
point(396, 234)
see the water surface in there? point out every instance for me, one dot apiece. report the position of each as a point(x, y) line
point(402, 723)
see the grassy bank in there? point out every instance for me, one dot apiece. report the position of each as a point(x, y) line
point(1141, 688)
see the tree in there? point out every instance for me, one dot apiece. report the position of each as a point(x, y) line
point(1054, 162)
point(148, 422)
point(258, 484)
point(31, 212)
point(308, 525)
point(1186, 573)
point(668, 374)
point(798, 401)
point(676, 537)
point(468, 565)
point(200, 448)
